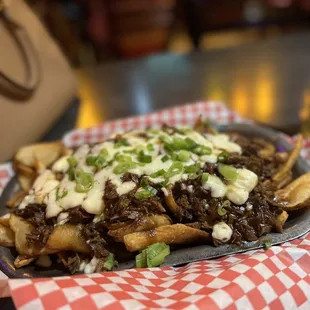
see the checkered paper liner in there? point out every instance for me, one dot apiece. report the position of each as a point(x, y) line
point(278, 278)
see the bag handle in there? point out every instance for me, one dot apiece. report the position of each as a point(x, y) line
point(8, 86)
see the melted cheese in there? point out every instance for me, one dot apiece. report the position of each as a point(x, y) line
point(217, 187)
point(61, 196)
point(221, 232)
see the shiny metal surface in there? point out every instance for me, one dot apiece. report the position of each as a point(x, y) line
point(268, 81)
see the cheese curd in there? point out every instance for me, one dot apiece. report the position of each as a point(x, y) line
point(221, 232)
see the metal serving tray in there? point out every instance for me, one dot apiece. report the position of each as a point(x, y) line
point(297, 225)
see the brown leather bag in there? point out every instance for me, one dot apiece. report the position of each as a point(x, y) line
point(36, 82)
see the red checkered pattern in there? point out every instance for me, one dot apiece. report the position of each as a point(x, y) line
point(278, 278)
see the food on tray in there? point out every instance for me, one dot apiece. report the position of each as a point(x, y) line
point(139, 193)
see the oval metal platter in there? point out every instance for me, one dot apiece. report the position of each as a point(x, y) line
point(297, 225)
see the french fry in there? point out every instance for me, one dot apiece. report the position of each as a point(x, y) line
point(21, 229)
point(5, 221)
point(280, 220)
point(23, 260)
point(7, 236)
point(288, 165)
point(143, 224)
point(24, 182)
point(268, 150)
point(170, 234)
point(45, 153)
point(67, 238)
point(16, 199)
point(296, 195)
point(172, 205)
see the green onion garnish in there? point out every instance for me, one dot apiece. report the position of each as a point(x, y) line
point(123, 167)
point(164, 183)
point(228, 172)
point(123, 158)
point(222, 157)
point(109, 263)
point(150, 147)
point(91, 160)
point(72, 164)
point(141, 260)
point(179, 143)
point(202, 150)
point(62, 195)
point(204, 178)
point(121, 142)
point(146, 192)
point(84, 180)
point(156, 254)
point(191, 144)
point(192, 169)
point(144, 182)
point(165, 139)
point(267, 245)
point(100, 162)
point(184, 156)
point(157, 174)
point(72, 161)
point(143, 158)
point(165, 158)
point(104, 153)
point(221, 209)
point(174, 169)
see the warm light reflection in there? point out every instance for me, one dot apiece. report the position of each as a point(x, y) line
point(214, 90)
point(305, 114)
point(89, 113)
point(263, 94)
point(240, 100)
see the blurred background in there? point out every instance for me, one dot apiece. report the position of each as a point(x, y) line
point(94, 32)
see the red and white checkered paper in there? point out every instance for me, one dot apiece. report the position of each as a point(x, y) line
point(278, 278)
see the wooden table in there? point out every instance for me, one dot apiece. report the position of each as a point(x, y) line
point(268, 81)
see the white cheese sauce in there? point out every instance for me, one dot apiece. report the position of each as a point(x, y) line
point(60, 196)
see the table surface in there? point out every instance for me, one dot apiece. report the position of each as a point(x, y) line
point(267, 81)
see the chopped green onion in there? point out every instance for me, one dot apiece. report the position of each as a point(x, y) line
point(267, 245)
point(202, 150)
point(150, 147)
point(204, 178)
point(228, 172)
point(144, 182)
point(165, 158)
point(221, 209)
point(156, 254)
point(121, 142)
point(124, 167)
point(222, 157)
point(146, 192)
point(174, 169)
point(157, 174)
point(133, 151)
point(100, 162)
point(71, 173)
point(84, 180)
point(191, 144)
point(104, 153)
point(154, 131)
point(109, 263)
point(164, 183)
point(141, 260)
point(72, 162)
point(165, 139)
point(62, 195)
point(91, 160)
point(123, 158)
point(178, 143)
point(192, 169)
point(143, 158)
point(184, 156)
